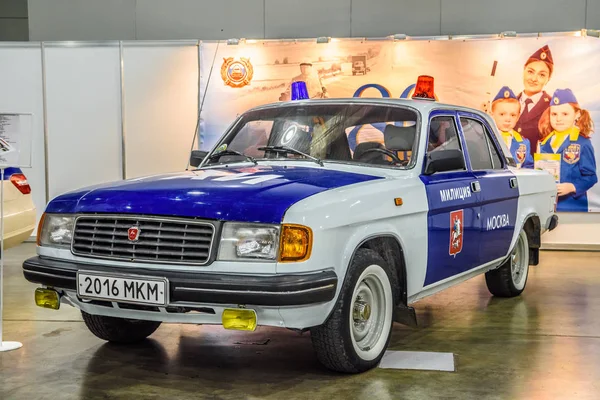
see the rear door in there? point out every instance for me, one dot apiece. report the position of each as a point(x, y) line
point(499, 192)
point(453, 217)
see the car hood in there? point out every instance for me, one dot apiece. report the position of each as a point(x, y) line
point(253, 194)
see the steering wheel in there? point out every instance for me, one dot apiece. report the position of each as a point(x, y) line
point(386, 152)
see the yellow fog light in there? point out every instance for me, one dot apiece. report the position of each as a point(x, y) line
point(296, 243)
point(239, 319)
point(47, 298)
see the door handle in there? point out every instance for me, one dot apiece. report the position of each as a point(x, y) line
point(475, 187)
point(513, 183)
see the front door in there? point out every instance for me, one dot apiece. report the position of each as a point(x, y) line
point(499, 190)
point(453, 217)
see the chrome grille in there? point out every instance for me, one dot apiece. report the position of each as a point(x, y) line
point(160, 239)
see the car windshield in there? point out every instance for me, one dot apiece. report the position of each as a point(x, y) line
point(357, 133)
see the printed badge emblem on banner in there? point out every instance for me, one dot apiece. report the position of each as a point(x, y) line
point(521, 152)
point(572, 153)
point(456, 232)
point(237, 73)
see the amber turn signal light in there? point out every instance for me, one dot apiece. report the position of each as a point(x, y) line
point(295, 244)
point(38, 238)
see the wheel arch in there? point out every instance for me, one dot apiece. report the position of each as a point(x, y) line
point(377, 242)
point(389, 247)
point(533, 228)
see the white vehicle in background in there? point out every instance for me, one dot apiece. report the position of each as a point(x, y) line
point(297, 220)
point(19, 210)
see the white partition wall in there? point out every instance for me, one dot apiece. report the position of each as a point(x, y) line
point(160, 105)
point(21, 92)
point(83, 86)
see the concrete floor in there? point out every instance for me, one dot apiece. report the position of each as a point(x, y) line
point(542, 345)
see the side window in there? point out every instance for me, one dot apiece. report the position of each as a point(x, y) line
point(443, 134)
point(496, 160)
point(477, 144)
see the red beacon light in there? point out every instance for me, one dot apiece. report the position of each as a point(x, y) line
point(424, 88)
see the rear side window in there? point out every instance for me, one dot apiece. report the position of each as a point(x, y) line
point(477, 144)
point(496, 160)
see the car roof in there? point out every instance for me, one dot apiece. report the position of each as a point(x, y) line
point(424, 106)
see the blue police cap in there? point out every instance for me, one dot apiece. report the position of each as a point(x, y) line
point(505, 93)
point(563, 96)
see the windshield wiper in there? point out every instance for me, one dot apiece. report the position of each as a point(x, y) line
point(287, 149)
point(230, 153)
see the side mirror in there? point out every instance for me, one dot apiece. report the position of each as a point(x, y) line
point(197, 156)
point(444, 160)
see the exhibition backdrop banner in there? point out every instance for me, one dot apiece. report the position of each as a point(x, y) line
point(532, 74)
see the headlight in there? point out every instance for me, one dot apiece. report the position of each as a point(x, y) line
point(241, 241)
point(57, 230)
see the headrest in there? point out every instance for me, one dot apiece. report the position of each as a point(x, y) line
point(399, 138)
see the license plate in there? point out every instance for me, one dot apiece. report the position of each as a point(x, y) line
point(140, 290)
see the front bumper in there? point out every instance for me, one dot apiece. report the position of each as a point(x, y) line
point(199, 287)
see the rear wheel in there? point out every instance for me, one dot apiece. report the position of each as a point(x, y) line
point(356, 335)
point(119, 330)
point(510, 279)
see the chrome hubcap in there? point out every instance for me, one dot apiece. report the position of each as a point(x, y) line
point(361, 312)
point(515, 267)
point(368, 312)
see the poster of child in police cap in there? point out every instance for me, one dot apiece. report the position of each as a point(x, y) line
point(549, 130)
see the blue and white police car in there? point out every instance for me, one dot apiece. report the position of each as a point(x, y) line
point(329, 216)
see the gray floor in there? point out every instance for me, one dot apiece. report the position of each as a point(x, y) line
point(542, 345)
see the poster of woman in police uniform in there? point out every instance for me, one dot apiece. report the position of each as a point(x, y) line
point(557, 128)
point(554, 126)
point(534, 99)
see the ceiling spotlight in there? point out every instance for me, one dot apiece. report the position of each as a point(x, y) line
point(508, 34)
point(235, 41)
point(593, 32)
point(323, 39)
point(399, 36)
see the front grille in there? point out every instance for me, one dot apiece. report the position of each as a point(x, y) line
point(160, 239)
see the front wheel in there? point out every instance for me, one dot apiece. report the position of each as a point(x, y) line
point(357, 333)
point(509, 280)
point(119, 330)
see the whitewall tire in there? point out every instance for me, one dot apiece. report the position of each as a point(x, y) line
point(355, 336)
point(509, 280)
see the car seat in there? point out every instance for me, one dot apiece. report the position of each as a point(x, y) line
point(400, 138)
